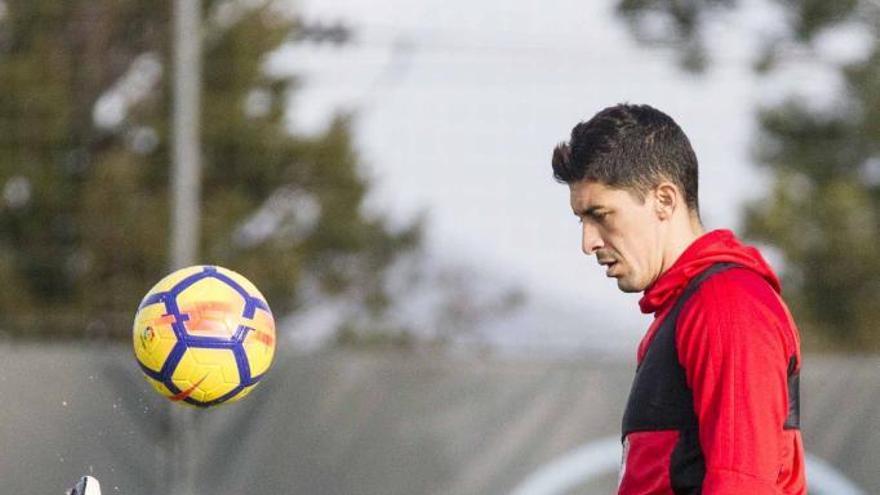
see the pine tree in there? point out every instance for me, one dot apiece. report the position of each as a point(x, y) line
point(85, 99)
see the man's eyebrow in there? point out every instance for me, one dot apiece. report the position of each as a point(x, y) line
point(588, 212)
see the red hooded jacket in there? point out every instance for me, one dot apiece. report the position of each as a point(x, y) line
point(738, 346)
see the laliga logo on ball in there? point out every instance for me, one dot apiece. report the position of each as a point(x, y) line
point(204, 335)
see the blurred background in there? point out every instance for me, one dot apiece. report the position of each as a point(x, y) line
point(380, 170)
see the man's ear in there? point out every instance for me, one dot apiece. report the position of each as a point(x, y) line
point(668, 199)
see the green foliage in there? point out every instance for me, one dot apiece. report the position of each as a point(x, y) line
point(823, 210)
point(809, 17)
point(84, 209)
point(680, 23)
point(673, 22)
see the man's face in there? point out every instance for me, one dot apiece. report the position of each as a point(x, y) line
point(623, 232)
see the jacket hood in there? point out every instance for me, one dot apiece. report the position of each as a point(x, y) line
point(717, 246)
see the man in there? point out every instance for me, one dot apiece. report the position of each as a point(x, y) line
point(713, 407)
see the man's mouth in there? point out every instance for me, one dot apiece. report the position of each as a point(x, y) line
point(609, 266)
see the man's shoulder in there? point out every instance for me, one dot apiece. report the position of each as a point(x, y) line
point(736, 308)
point(736, 281)
point(738, 292)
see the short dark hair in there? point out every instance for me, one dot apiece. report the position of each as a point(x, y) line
point(631, 147)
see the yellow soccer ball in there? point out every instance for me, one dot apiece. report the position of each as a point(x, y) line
point(204, 335)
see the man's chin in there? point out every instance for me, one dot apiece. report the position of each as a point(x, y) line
point(628, 287)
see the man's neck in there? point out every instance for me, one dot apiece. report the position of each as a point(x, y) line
point(683, 235)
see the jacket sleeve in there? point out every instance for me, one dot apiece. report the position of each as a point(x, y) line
point(732, 342)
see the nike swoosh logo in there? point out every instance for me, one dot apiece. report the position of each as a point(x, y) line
point(186, 393)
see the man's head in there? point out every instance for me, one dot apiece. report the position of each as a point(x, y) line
point(632, 175)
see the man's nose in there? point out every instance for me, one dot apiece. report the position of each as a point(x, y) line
point(590, 240)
